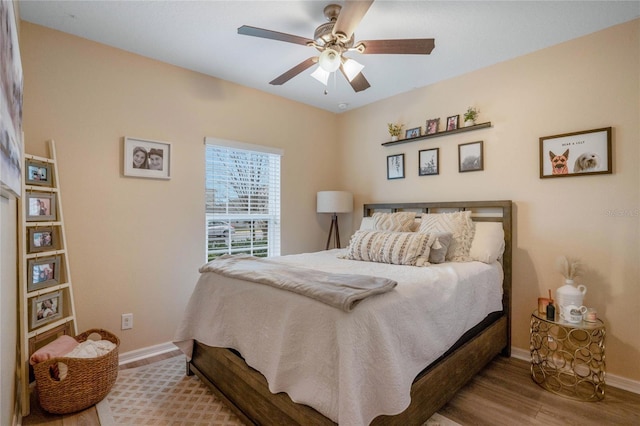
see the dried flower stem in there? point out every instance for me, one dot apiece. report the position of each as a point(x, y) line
point(570, 268)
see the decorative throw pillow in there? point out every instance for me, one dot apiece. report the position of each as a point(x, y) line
point(394, 222)
point(488, 242)
point(459, 224)
point(366, 224)
point(439, 249)
point(398, 248)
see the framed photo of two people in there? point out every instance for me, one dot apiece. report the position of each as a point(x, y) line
point(147, 158)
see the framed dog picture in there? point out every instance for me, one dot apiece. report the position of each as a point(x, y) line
point(46, 308)
point(470, 157)
point(38, 173)
point(429, 162)
point(43, 272)
point(395, 166)
point(40, 206)
point(576, 154)
point(147, 159)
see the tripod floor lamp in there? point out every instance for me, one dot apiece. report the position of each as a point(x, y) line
point(334, 202)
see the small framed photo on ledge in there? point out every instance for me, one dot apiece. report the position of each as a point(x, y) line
point(452, 122)
point(395, 166)
point(147, 158)
point(432, 126)
point(412, 133)
point(576, 154)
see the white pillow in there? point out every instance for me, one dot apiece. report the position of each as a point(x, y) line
point(366, 224)
point(459, 224)
point(488, 243)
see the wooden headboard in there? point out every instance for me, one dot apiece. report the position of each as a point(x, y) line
point(481, 211)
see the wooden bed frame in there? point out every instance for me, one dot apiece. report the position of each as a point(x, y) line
point(246, 392)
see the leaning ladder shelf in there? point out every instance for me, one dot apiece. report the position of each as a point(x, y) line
point(35, 331)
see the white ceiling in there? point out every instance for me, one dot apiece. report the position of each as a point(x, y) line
point(202, 36)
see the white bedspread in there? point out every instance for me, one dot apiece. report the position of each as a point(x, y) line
point(350, 366)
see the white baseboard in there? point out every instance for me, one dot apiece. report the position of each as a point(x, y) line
point(611, 379)
point(138, 354)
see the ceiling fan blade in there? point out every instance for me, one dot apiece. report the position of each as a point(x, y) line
point(411, 46)
point(272, 35)
point(288, 75)
point(350, 16)
point(359, 83)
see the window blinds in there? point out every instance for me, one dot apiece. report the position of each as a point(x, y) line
point(242, 199)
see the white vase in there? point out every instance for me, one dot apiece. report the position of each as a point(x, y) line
point(569, 294)
point(468, 123)
point(394, 138)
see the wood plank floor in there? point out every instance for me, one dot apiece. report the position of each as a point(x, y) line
point(501, 394)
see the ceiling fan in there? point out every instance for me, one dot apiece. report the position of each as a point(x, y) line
point(335, 38)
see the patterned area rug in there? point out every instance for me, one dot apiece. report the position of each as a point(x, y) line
point(161, 394)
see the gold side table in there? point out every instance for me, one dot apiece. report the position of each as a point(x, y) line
point(568, 359)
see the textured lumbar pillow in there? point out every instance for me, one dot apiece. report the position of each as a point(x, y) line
point(398, 248)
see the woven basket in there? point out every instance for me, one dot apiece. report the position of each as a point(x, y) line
point(88, 380)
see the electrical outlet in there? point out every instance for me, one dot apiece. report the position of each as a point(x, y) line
point(127, 321)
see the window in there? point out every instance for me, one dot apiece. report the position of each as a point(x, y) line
point(242, 199)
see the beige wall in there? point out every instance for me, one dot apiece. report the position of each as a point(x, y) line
point(588, 83)
point(135, 245)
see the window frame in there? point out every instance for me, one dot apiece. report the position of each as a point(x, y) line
point(272, 201)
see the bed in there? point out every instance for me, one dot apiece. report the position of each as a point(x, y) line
point(401, 393)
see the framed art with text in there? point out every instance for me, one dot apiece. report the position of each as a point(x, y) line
point(576, 154)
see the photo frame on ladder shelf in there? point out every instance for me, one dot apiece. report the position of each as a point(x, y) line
point(46, 308)
point(40, 206)
point(43, 272)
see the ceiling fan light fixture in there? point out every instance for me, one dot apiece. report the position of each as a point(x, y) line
point(351, 68)
point(330, 60)
point(321, 75)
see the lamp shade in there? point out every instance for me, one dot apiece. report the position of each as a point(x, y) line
point(321, 75)
point(351, 68)
point(335, 202)
point(329, 60)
